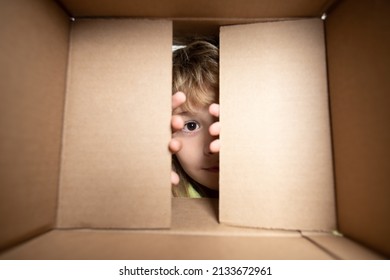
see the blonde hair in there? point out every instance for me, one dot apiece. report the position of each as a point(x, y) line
point(196, 73)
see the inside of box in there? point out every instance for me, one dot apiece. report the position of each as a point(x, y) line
point(33, 59)
point(29, 202)
point(109, 89)
point(191, 236)
point(356, 47)
point(274, 106)
point(358, 41)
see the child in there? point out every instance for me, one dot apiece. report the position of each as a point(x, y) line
point(195, 143)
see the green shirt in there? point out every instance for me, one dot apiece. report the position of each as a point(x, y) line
point(192, 192)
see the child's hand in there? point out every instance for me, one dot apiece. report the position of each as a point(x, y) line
point(177, 123)
point(215, 128)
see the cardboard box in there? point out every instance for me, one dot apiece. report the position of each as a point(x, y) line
point(85, 111)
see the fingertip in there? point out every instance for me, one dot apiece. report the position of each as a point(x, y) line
point(180, 96)
point(215, 129)
point(174, 146)
point(178, 99)
point(214, 109)
point(177, 122)
point(215, 146)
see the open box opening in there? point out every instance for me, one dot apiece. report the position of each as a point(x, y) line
point(84, 145)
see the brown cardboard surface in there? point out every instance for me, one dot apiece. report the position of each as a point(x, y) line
point(200, 217)
point(195, 234)
point(112, 244)
point(187, 27)
point(110, 58)
point(276, 160)
point(358, 43)
point(116, 164)
point(33, 59)
point(199, 8)
point(343, 248)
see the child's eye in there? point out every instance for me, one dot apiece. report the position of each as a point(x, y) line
point(191, 126)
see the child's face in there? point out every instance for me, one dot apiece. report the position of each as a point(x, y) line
point(195, 156)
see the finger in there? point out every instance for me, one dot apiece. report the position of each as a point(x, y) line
point(178, 99)
point(215, 146)
point(174, 146)
point(174, 178)
point(177, 123)
point(214, 110)
point(215, 129)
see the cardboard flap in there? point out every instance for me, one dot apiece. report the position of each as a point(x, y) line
point(135, 245)
point(199, 217)
point(116, 164)
point(33, 60)
point(197, 8)
point(276, 160)
point(358, 44)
